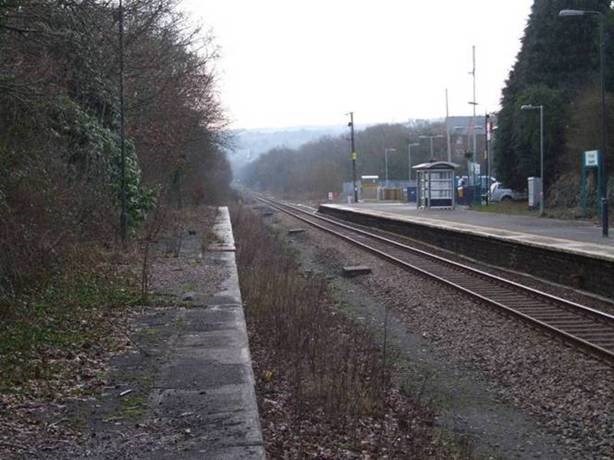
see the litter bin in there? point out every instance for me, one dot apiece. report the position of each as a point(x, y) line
point(465, 195)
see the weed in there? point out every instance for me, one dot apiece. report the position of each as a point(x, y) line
point(330, 362)
point(133, 407)
point(40, 329)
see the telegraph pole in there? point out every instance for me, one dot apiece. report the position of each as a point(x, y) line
point(473, 126)
point(488, 134)
point(474, 104)
point(448, 128)
point(353, 148)
point(123, 218)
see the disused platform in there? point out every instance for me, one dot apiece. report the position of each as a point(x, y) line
point(572, 253)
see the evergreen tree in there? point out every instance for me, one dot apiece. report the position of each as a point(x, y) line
point(559, 56)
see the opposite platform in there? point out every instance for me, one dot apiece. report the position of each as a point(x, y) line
point(567, 252)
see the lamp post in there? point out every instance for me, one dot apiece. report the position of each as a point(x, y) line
point(386, 150)
point(604, 113)
point(439, 136)
point(409, 146)
point(541, 152)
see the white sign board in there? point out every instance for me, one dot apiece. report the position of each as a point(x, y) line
point(474, 168)
point(591, 158)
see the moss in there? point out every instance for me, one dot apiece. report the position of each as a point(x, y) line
point(67, 316)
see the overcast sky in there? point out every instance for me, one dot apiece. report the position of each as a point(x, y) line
point(289, 63)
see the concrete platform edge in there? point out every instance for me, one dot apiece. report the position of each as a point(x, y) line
point(231, 288)
point(208, 382)
point(577, 269)
point(563, 246)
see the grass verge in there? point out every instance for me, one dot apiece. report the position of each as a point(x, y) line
point(519, 208)
point(69, 320)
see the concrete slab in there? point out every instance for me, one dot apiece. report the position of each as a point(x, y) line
point(357, 270)
point(230, 398)
point(225, 453)
point(205, 389)
point(222, 229)
point(230, 290)
point(191, 373)
point(212, 318)
point(217, 345)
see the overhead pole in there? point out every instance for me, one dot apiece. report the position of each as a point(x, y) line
point(448, 128)
point(474, 104)
point(473, 120)
point(353, 148)
point(488, 135)
point(123, 218)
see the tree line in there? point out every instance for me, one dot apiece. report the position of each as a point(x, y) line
point(319, 167)
point(557, 67)
point(59, 125)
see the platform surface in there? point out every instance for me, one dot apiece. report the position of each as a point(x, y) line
point(579, 237)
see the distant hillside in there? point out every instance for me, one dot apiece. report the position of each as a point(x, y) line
point(250, 144)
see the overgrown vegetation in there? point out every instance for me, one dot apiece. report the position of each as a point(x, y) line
point(323, 386)
point(59, 127)
point(64, 278)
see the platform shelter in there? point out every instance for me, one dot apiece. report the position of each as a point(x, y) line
point(436, 188)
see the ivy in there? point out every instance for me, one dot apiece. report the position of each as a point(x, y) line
point(95, 151)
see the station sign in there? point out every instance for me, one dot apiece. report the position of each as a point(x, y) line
point(591, 159)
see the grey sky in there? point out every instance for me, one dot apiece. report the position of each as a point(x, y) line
point(288, 63)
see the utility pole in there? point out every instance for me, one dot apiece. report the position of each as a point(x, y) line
point(448, 128)
point(474, 104)
point(353, 148)
point(123, 218)
point(487, 131)
point(409, 146)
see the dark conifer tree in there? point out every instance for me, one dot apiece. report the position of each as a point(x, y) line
point(559, 57)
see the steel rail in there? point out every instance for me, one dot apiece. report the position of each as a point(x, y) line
point(601, 318)
point(599, 315)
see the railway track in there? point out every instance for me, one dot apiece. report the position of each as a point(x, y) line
point(587, 328)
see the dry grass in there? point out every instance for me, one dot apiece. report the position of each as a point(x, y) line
point(339, 370)
point(323, 387)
